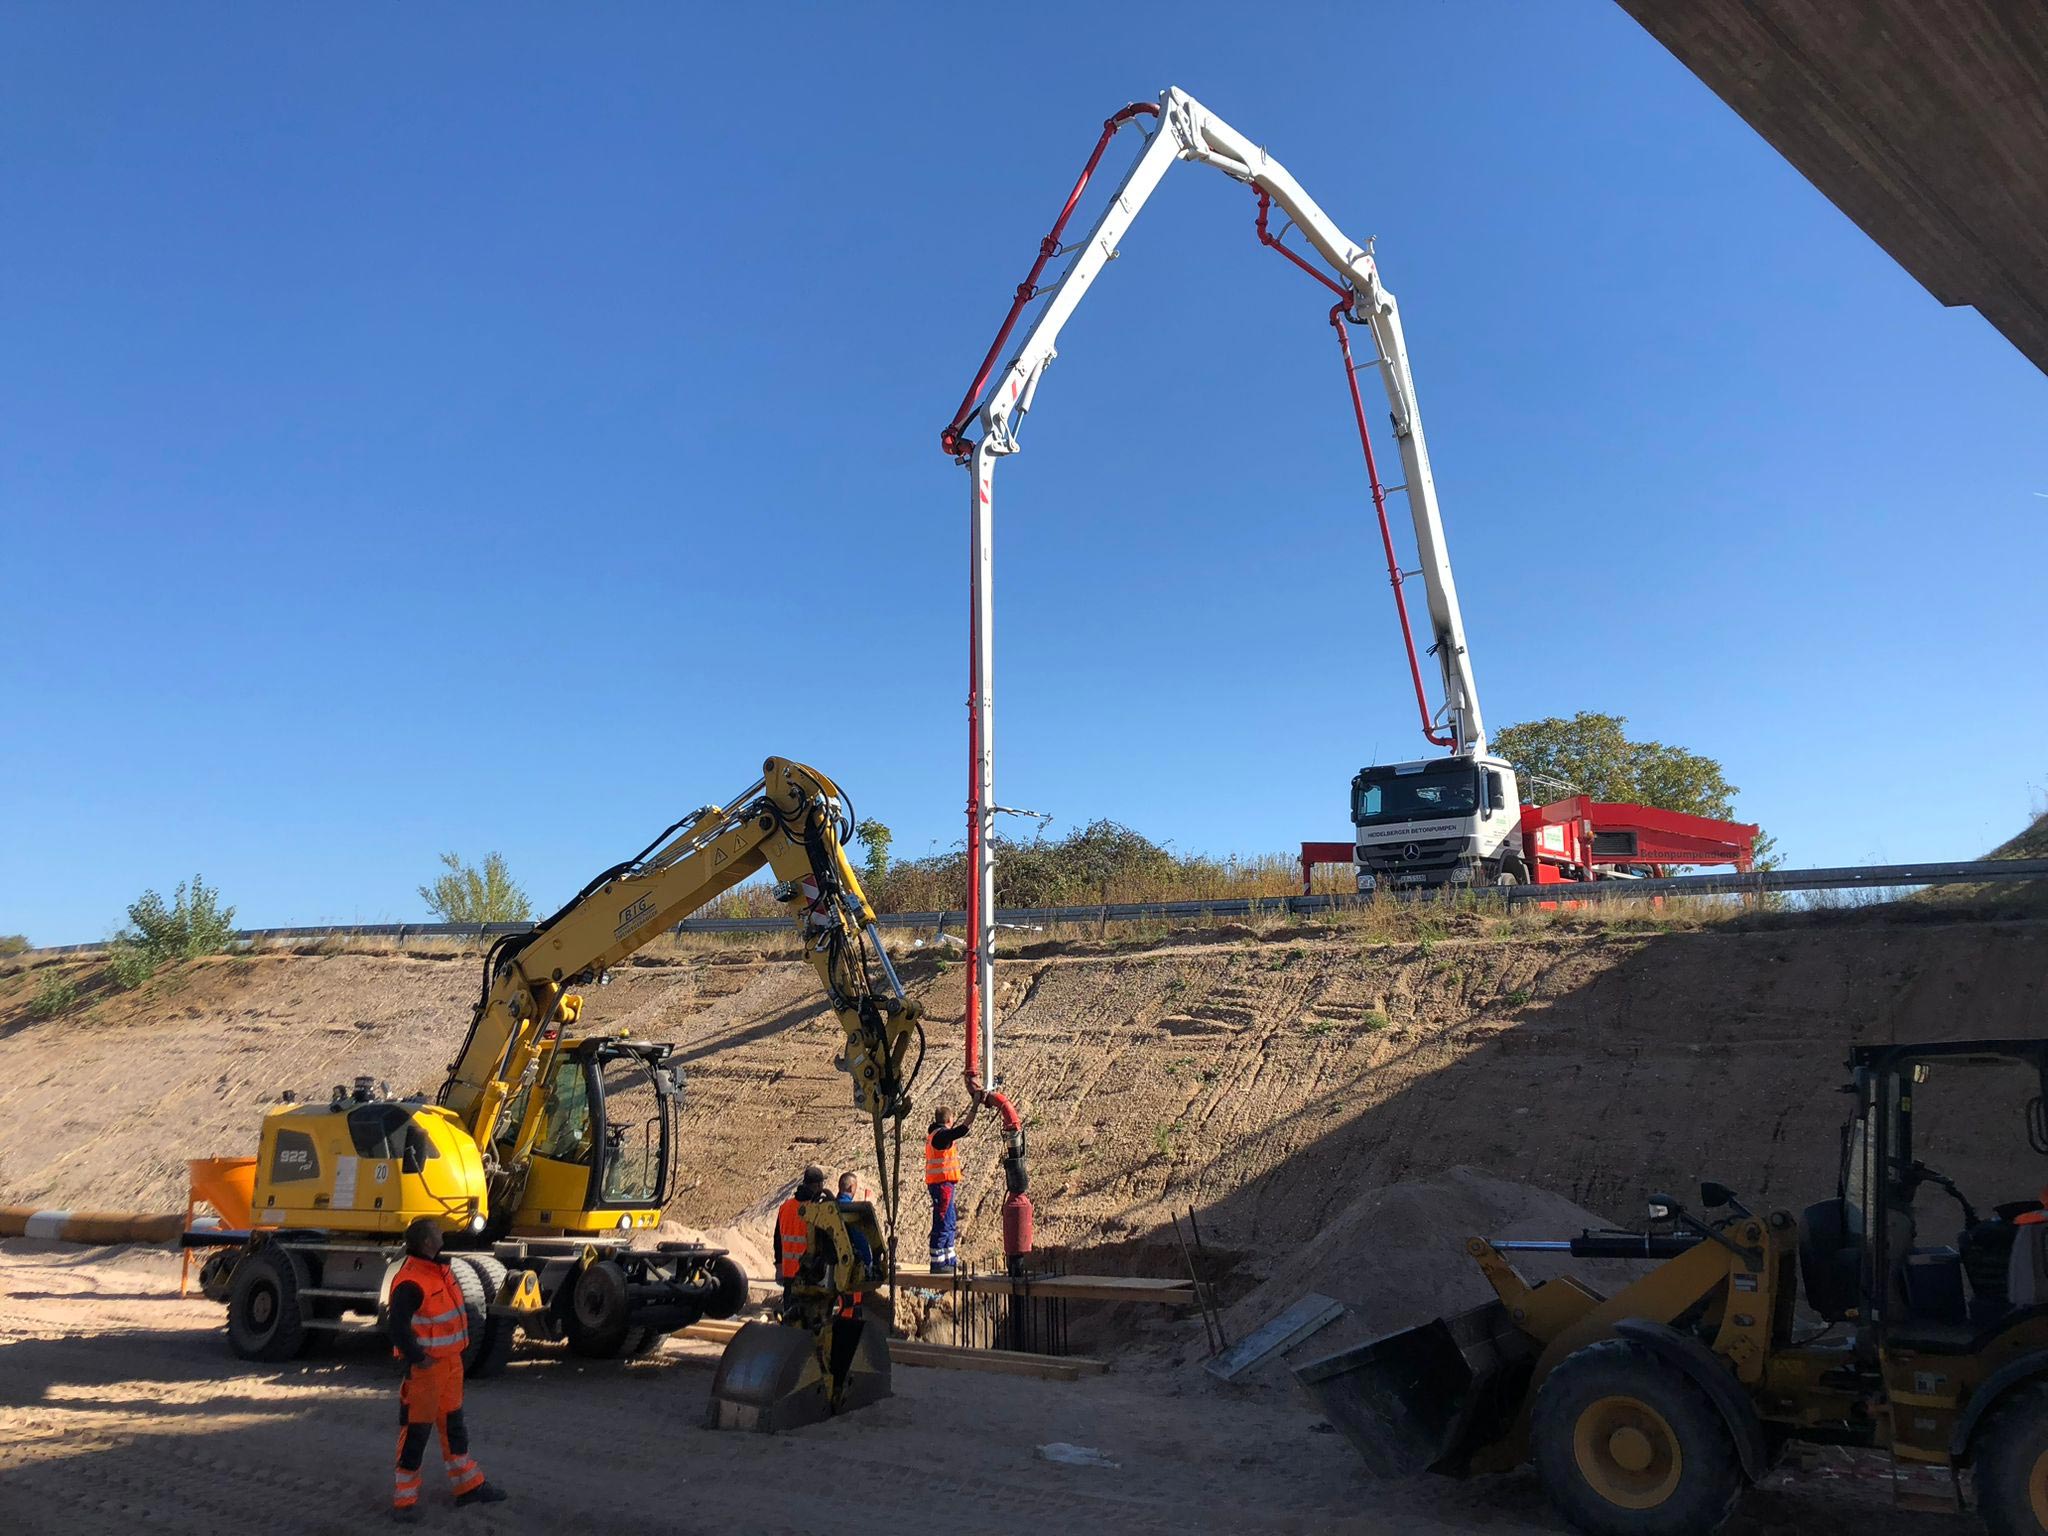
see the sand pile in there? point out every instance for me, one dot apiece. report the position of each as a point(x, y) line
point(747, 1244)
point(1396, 1257)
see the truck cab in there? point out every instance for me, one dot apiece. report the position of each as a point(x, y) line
point(1438, 821)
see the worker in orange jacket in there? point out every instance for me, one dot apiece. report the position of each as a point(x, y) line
point(792, 1233)
point(942, 1183)
point(429, 1330)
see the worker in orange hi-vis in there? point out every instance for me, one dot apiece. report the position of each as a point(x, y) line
point(429, 1330)
point(792, 1233)
point(942, 1182)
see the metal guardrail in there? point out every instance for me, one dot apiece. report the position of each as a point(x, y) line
point(1865, 877)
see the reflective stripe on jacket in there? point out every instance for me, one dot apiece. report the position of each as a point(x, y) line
point(441, 1326)
point(795, 1233)
point(941, 1164)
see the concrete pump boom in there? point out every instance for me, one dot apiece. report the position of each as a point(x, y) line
point(997, 400)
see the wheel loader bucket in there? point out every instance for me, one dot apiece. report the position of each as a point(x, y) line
point(1426, 1398)
point(773, 1377)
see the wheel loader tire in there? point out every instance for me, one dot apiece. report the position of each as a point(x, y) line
point(600, 1312)
point(490, 1338)
point(1627, 1445)
point(2010, 1454)
point(266, 1317)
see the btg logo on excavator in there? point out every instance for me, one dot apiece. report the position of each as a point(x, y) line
point(633, 916)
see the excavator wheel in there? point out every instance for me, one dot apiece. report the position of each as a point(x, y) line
point(600, 1311)
point(733, 1291)
point(490, 1338)
point(266, 1316)
point(2011, 1472)
point(1626, 1445)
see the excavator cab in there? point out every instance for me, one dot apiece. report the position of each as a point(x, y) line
point(600, 1158)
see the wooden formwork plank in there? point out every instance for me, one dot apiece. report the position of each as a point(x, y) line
point(1001, 1362)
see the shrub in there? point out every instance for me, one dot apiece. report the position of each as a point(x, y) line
point(191, 924)
point(129, 964)
point(14, 944)
point(56, 994)
point(467, 894)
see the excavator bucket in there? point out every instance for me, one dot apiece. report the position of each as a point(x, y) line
point(1424, 1399)
point(773, 1377)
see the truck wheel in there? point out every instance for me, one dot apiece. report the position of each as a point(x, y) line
point(1512, 872)
point(1626, 1445)
point(600, 1311)
point(266, 1320)
point(490, 1338)
point(2011, 1455)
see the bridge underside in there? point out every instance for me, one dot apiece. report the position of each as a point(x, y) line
point(1925, 121)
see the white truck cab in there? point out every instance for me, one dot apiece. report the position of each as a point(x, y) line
point(1439, 821)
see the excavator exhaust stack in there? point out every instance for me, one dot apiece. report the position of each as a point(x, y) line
point(773, 1377)
point(1422, 1399)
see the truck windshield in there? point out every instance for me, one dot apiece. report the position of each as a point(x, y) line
point(1414, 796)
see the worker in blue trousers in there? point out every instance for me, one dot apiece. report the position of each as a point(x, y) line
point(942, 1182)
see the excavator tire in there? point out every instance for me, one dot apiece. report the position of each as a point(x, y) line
point(1627, 1445)
point(2011, 1472)
point(600, 1312)
point(733, 1291)
point(490, 1338)
point(266, 1316)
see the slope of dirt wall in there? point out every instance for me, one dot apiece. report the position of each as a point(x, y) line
point(1265, 1081)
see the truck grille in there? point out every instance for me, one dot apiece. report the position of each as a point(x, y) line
point(1425, 855)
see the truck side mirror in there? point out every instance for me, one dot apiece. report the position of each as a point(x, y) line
point(1714, 1196)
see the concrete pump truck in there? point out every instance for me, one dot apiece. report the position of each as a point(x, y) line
point(1456, 819)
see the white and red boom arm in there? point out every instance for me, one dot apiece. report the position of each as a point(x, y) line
point(1186, 130)
point(1182, 129)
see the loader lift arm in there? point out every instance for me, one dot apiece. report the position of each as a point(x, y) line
point(793, 820)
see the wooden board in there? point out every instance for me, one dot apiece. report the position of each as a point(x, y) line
point(1001, 1362)
point(1129, 1288)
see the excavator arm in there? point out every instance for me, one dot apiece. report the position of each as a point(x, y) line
point(794, 821)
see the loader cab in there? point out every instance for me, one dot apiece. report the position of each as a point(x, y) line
point(1935, 1238)
point(601, 1139)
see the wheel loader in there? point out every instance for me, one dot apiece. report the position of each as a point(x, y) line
point(547, 1155)
point(1895, 1316)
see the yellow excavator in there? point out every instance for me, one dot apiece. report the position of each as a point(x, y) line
point(547, 1152)
point(1923, 1333)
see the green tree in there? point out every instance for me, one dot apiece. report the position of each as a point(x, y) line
point(1591, 754)
point(875, 838)
point(14, 944)
point(467, 894)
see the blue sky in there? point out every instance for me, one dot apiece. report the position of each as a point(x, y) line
point(473, 428)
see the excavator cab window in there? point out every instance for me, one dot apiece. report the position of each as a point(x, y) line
point(565, 1124)
point(635, 1163)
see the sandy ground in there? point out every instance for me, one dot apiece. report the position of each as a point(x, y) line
point(1263, 1079)
point(122, 1411)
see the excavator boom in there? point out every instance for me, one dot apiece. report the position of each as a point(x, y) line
point(793, 820)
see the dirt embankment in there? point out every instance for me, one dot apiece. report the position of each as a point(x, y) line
point(1266, 1081)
